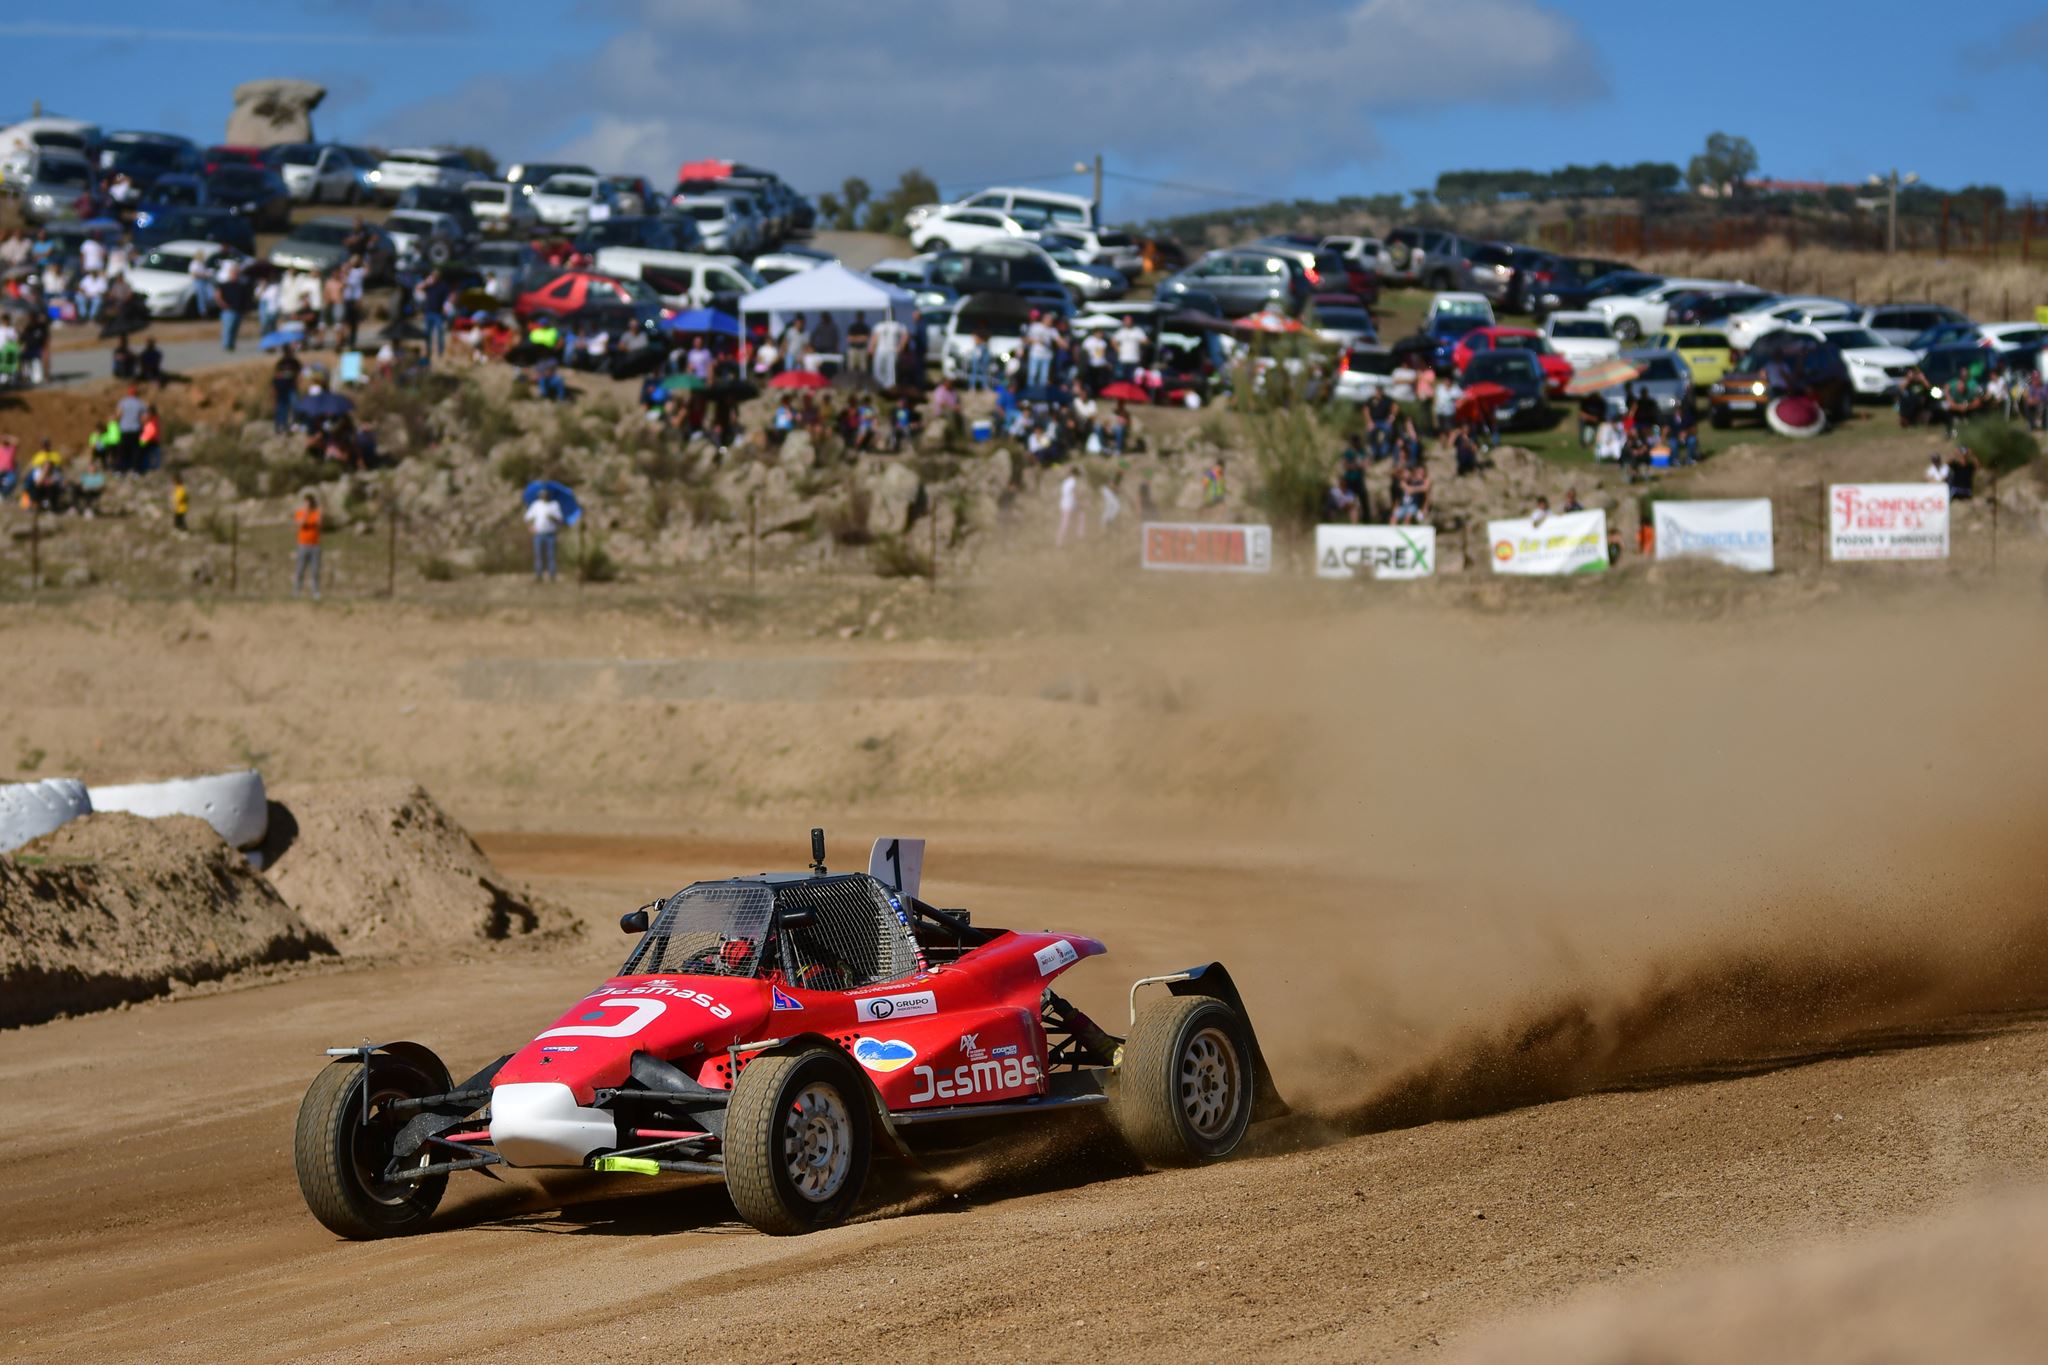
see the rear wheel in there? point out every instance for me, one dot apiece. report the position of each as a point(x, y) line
point(341, 1160)
point(797, 1141)
point(1627, 328)
point(1184, 1085)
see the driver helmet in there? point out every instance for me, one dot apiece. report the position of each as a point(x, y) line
point(735, 953)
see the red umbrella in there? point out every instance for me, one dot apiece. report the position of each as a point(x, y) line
point(799, 379)
point(1123, 391)
point(1481, 399)
point(1266, 320)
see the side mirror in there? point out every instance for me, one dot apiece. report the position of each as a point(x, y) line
point(799, 918)
point(633, 922)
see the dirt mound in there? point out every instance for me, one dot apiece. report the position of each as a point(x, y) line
point(378, 865)
point(112, 908)
point(1962, 1287)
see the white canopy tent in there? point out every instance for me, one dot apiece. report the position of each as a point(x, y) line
point(830, 289)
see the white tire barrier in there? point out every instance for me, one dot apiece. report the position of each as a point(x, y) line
point(29, 810)
point(233, 803)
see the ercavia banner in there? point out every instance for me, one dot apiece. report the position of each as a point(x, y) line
point(1212, 547)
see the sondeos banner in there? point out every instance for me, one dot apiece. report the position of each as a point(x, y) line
point(1207, 546)
point(1375, 551)
point(1564, 542)
point(1888, 521)
point(1736, 531)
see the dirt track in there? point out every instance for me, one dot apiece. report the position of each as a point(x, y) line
point(1764, 973)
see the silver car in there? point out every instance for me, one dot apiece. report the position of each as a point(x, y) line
point(1898, 323)
point(53, 184)
point(1665, 378)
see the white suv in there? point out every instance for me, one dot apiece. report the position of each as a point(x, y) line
point(500, 206)
point(404, 167)
point(1646, 310)
point(962, 229)
point(572, 201)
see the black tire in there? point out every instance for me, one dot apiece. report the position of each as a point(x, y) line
point(1720, 421)
point(439, 253)
point(1185, 1084)
point(1627, 328)
point(340, 1161)
point(797, 1141)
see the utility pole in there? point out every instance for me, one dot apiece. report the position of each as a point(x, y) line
point(1082, 168)
point(1890, 184)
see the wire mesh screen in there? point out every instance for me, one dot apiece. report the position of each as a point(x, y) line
point(705, 931)
point(854, 937)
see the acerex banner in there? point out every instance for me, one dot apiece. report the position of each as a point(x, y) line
point(1563, 542)
point(1209, 546)
point(1735, 531)
point(1888, 521)
point(1375, 551)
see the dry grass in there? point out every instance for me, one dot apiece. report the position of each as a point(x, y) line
point(1988, 289)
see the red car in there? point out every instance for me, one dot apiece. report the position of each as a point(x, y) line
point(228, 155)
point(782, 1031)
point(575, 293)
point(1557, 371)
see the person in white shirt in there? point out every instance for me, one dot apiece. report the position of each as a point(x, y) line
point(1937, 468)
point(1607, 441)
point(269, 304)
point(1039, 341)
point(1130, 349)
point(886, 341)
point(1112, 505)
point(1072, 520)
point(92, 255)
point(92, 292)
point(544, 517)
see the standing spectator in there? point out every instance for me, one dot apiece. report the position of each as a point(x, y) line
point(977, 364)
point(1465, 450)
point(698, 361)
point(434, 299)
point(233, 292)
point(201, 271)
point(284, 387)
point(181, 502)
point(92, 292)
point(152, 439)
point(1095, 352)
point(825, 337)
point(269, 306)
point(129, 414)
point(1112, 504)
point(544, 518)
point(796, 344)
point(1072, 520)
point(149, 363)
point(352, 286)
point(306, 557)
point(1130, 348)
point(1379, 416)
point(887, 339)
point(857, 336)
point(1039, 341)
point(1425, 396)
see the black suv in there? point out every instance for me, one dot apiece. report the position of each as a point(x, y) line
point(1779, 363)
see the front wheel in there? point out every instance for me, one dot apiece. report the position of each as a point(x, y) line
point(342, 1161)
point(1184, 1084)
point(797, 1141)
point(1627, 328)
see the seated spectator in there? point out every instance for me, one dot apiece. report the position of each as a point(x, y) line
point(1340, 504)
point(149, 363)
point(123, 359)
point(1571, 501)
point(85, 494)
point(1592, 420)
point(1412, 507)
point(1937, 468)
point(1465, 449)
point(1540, 513)
point(1607, 442)
point(1379, 418)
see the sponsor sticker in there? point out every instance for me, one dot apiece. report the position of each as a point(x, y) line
point(1054, 956)
point(558, 1047)
point(907, 1005)
point(1009, 1050)
point(783, 1000)
point(975, 1078)
point(970, 1047)
point(884, 1054)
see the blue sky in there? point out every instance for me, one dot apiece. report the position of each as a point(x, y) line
point(1287, 98)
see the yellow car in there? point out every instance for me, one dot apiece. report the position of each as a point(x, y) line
point(1706, 351)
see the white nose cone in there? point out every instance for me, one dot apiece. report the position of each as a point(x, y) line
point(540, 1124)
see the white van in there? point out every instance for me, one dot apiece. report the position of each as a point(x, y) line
point(683, 279)
point(1033, 208)
point(20, 142)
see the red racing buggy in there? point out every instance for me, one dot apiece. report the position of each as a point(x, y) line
point(782, 1030)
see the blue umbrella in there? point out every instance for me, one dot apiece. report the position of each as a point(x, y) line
point(325, 404)
point(1045, 393)
point(572, 510)
point(283, 336)
point(702, 320)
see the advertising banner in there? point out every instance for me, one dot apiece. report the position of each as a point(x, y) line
point(1736, 531)
point(1207, 546)
point(1394, 552)
point(1888, 521)
point(1564, 542)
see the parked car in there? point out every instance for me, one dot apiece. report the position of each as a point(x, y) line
point(1364, 370)
point(1576, 295)
point(790, 260)
point(143, 157)
point(206, 224)
point(1459, 304)
point(1038, 208)
point(229, 154)
point(1704, 307)
point(1945, 334)
point(1243, 279)
point(572, 201)
point(586, 299)
point(1665, 378)
point(317, 173)
point(163, 277)
point(1744, 328)
point(424, 238)
point(500, 206)
point(682, 279)
point(1088, 283)
point(641, 230)
point(1634, 313)
point(1897, 324)
point(1016, 267)
point(256, 192)
point(52, 185)
point(1557, 371)
point(1530, 269)
point(1324, 269)
point(999, 315)
point(440, 199)
point(1112, 247)
point(321, 244)
point(1343, 321)
point(963, 228)
point(721, 225)
point(2005, 337)
point(1705, 351)
point(1875, 366)
point(1430, 257)
point(404, 167)
point(632, 194)
point(508, 268)
point(1581, 338)
point(1368, 252)
point(530, 175)
point(1564, 273)
point(1521, 374)
point(1491, 271)
point(1783, 362)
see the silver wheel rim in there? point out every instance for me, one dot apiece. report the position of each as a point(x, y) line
point(818, 1142)
point(1209, 1082)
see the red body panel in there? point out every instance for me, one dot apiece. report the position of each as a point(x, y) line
point(962, 1032)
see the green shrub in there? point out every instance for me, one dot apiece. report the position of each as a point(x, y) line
point(2001, 447)
point(437, 570)
point(847, 520)
point(593, 564)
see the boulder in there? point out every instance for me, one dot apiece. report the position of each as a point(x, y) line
point(273, 111)
point(894, 488)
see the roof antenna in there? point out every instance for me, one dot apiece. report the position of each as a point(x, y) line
point(817, 852)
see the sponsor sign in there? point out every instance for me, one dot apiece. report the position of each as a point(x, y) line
point(782, 1000)
point(1207, 547)
point(1565, 542)
point(884, 1054)
point(907, 1005)
point(1395, 552)
point(975, 1078)
point(1734, 531)
point(1888, 521)
point(1054, 956)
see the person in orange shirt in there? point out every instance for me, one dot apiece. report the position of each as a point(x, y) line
point(306, 559)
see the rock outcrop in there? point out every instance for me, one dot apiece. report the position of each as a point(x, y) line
point(275, 111)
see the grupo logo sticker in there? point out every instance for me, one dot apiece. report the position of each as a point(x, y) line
point(907, 1005)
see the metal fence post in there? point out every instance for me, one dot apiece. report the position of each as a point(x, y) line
point(753, 536)
point(35, 549)
point(234, 552)
point(391, 554)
